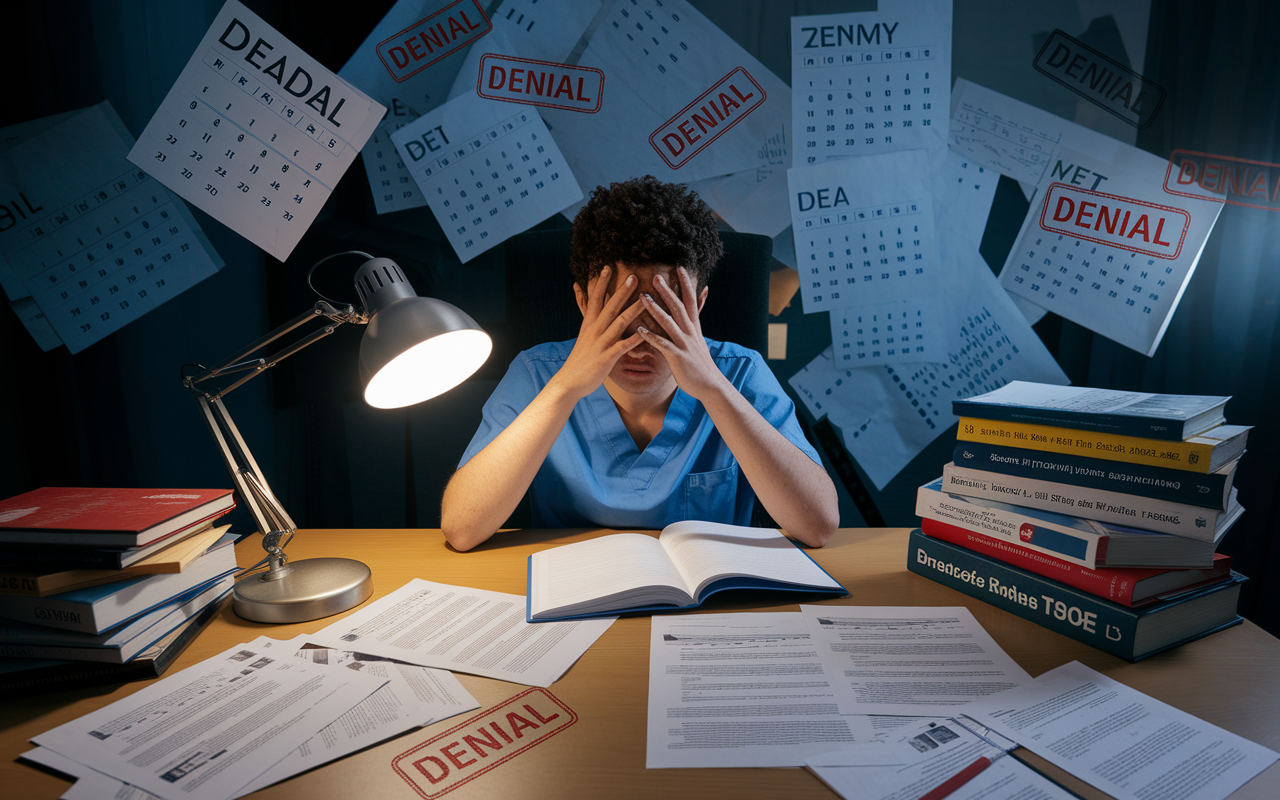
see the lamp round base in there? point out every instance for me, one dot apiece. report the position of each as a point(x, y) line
point(313, 588)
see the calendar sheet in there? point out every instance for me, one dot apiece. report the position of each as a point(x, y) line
point(889, 414)
point(414, 89)
point(864, 233)
point(88, 242)
point(660, 59)
point(488, 169)
point(255, 132)
point(960, 192)
point(1017, 139)
point(1104, 246)
point(871, 82)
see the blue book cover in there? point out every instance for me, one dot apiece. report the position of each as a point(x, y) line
point(1131, 634)
point(1172, 417)
point(1210, 490)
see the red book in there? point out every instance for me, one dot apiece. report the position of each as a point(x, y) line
point(1129, 586)
point(107, 517)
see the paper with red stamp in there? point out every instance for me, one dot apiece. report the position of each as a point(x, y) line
point(1122, 222)
point(468, 750)
point(433, 38)
point(1238, 181)
point(540, 83)
point(707, 118)
point(1104, 248)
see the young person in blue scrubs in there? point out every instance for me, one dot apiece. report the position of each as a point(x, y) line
point(640, 421)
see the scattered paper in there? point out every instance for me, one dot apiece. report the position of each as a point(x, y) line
point(1104, 246)
point(90, 242)
point(658, 58)
point(255, 132)
point(212, 727)
point(1014, 138)
point(1129, 745)
point(889, 414)
point(913, 661)
point(740, 690)
point(871, 82)
point(411, 697)
point(409, 91)
point(488, 169)
point(465, 630)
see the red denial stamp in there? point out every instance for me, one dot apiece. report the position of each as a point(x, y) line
point(468, 750)
point(540, 83)
point(707, 118)
point(1114, 221)
point(430, 39)
point(1238, 181)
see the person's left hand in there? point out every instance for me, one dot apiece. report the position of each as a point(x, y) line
point(683, 347)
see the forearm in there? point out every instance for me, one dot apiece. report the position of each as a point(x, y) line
point(796, 491)
point(482, 494)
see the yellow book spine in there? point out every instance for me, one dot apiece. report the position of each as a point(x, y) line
point(1189, 456)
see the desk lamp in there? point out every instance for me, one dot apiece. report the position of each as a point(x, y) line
point(413, 349)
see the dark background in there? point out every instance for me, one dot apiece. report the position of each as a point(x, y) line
point(116, 414)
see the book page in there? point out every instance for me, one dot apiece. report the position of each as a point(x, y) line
point(1125, 743)
point(585, 571)
point(707, 551)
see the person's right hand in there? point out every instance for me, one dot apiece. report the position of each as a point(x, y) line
point(600, 339)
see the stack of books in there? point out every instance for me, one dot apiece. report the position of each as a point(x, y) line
point(104, 585)
point(1093, 512)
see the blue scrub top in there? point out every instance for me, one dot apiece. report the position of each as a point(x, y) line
point(595, 476)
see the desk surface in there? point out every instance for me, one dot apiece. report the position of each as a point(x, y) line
point(1231, 679)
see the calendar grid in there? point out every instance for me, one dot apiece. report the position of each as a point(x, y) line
point(247, 132)
point(845, 57)
point(251, 86)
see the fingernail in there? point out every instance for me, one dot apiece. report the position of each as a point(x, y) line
point(648, 297)
point(631, 279)
point(643, 329)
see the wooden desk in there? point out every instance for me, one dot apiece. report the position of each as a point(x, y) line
point(1231, 679)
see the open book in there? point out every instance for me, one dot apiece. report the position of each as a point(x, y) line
point(688, 562)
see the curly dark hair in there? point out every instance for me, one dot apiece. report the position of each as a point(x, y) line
point(642, 222)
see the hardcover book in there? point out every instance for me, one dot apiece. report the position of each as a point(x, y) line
point(22, 677)
point(1173, 417)
point(118, 646)
point(174, 558)
point(1128, 633)
point(1209, 490)
point(107, 517)
point(685, 564)
point(1128, 586)
point(1080, 541)
point(101, 608)
point(1203, 453)
point(1179, 519)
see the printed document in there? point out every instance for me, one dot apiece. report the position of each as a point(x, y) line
point(913, 661)
point(411, 697)
point(924, 755)
point(740, 690)
point(1131, 746)
point(206, 731)
point(465, 630)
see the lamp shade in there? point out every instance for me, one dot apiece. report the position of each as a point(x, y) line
point(414, 348)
